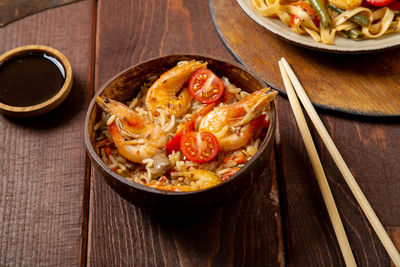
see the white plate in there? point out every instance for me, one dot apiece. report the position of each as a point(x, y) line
point(342, 45)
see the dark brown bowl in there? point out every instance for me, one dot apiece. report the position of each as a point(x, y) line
point(124, 86)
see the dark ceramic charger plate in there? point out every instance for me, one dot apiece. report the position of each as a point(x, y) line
point(124, 86)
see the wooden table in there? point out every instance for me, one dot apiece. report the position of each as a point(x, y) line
point(56, 211)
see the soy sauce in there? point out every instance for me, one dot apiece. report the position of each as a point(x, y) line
point(30, 79)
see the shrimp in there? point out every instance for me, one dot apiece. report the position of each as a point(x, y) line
point(236, 124)
point(201, 179)
point(147, 139)
point(167, 94)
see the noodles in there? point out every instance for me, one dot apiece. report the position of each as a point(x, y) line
point(302, 19)
point(267, 8)
point(384, 18)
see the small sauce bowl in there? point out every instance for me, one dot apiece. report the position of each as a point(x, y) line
point(19, 67)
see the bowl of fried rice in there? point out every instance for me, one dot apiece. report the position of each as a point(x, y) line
point(181, 131)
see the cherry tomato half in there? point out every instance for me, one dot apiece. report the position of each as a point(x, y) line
point(199, 146)
point(395, 5)
point(175, 142)
point(379, 2)
point(205, 86)
point(294, 20)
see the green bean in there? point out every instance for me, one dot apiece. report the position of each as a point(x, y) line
point(320, 10)
point(357, 18)
point(355, 34)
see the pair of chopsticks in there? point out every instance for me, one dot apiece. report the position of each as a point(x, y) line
point(290, 80)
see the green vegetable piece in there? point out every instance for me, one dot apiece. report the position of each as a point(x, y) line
point(320, 10)
point(357, 18)
point(355, 34)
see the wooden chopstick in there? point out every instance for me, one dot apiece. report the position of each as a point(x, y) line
point(319, 172)
point(338, 159)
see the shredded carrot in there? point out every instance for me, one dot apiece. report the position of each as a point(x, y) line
point(229, 173)
point(108, 150)
point(202, 112)
point(103, 142)
point(239, 159)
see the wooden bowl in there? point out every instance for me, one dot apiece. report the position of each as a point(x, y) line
point(49, 104)
point(124, 86)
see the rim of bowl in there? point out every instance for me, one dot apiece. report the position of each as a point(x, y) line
point(54, 100)
point(93, 154)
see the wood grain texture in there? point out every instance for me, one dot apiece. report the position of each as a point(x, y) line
point(43, 159)
point(246, 232)
point(356, 84)
point(371, 156)
point(394, 232)
point(11, 10)
point(44, 184)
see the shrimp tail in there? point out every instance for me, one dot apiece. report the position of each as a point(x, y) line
point(121, 111)
point(255, 102)
point(236, 124)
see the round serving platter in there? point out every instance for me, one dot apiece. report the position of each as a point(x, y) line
point(342, 45)
point(349, 82)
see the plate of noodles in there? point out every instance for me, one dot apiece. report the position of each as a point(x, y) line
point(181, 125)
point(338, 26)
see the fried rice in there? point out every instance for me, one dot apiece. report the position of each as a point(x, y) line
point(141, 173)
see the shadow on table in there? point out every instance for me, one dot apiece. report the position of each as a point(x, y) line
point(247, 225)
point(200, 215)
point(61, 115)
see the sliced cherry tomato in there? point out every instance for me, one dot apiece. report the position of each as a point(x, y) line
point(294, 20)
point(379, 2)
point(175, 143)
point(395, 5)
point(205, 86)
point(306, 6)
point(199, 146)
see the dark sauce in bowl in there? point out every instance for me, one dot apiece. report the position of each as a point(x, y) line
point(30, 79)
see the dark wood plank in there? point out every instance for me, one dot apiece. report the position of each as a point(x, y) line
point(12, 10)
point(370, 150)
point(355, 84)
point(246, 232)
point(42, 185)
point(365, 146)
